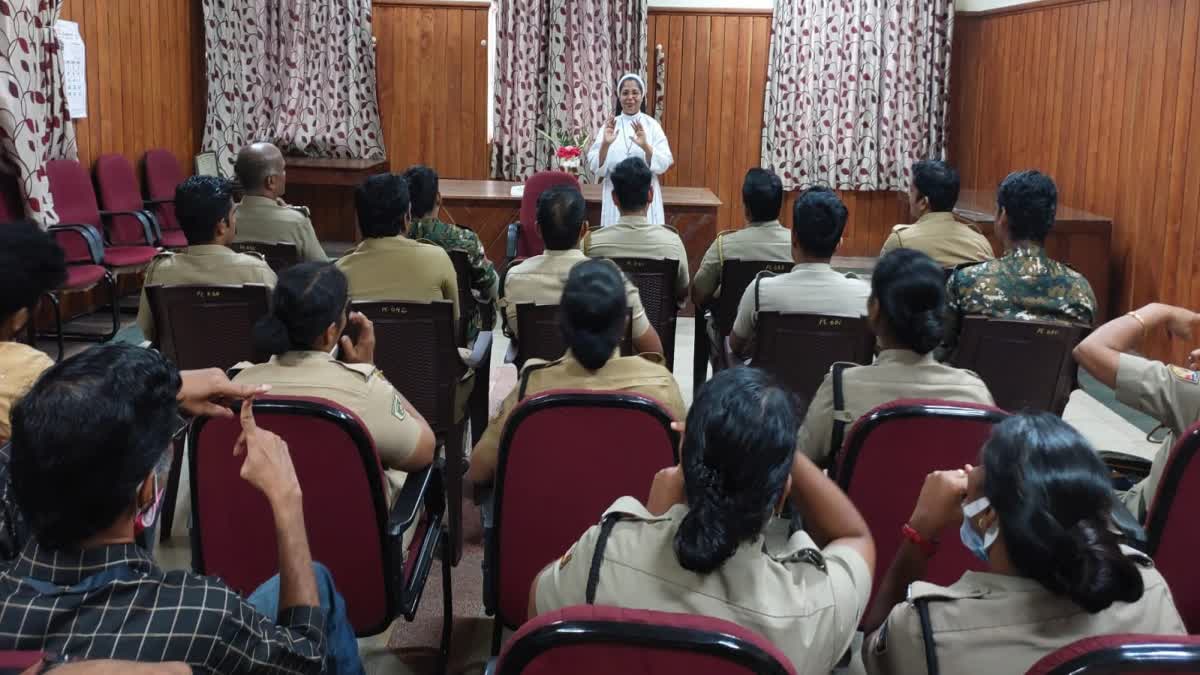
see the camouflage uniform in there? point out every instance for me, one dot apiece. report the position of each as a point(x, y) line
point(484, 280)
point(1024, 284)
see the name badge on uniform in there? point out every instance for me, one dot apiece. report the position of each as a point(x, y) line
point(398, 410)
point(1185, 375)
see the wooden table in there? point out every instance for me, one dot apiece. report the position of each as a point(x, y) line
point(326, 186)
point(1082, 240)
point(487, 207)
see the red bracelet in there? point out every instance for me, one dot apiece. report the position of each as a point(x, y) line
point(927, 547)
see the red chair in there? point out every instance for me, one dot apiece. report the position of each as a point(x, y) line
point(75, 202)
point(524, 241)
point(1170, 526)
point(351, 530)
point(162, 175)
point(1110, 654)
point(629, 439)
point(882, 470)
point(117, 187)
point(595, 640)
point(14, 662)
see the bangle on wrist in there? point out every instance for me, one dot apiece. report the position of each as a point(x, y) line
point(928, 546)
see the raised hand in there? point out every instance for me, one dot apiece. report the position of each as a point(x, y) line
point(362, 348)
point(209, 392)
point(639, 136)
point(268, 464)
point(610, 131)
point(940, 502)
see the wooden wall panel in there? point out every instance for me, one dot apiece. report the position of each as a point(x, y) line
point(1103, 96)
point(145, 65)
point(716, 81)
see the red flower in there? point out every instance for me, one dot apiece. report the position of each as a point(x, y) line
point(568, 152)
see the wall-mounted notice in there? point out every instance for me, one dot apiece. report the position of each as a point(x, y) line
point(74, 67)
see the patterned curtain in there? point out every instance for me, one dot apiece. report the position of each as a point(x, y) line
point(857, 91)
point(34, 124)
point(557, 65)
point(298, 73)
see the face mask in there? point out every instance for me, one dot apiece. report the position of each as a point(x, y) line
point(976, 543)
point(146, 518)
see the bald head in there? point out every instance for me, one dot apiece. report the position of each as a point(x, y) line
point(260, 169)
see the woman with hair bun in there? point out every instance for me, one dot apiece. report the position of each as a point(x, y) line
point(593, 314)
point(708, 541)
point(1038, 512)
point(906, 311)
point(310, 309)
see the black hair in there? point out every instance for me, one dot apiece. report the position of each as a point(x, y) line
point(818, 221)
point(910, 289)
point(620, 108)
point(31, 263)
point(1030, 200)
point(762, 194)
point(631, 181)
point(593, 309)
point(307, 298)
point(938, 182)
point(74, 480)
point(560, 214)
point(381, 203)
point(422, 189)
point(201, 202)
point(737, 453)
point(1054, 500)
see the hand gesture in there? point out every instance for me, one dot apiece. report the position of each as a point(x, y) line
point(610, 131)
point(940, 502)
point(639, 136)
point(268, 464)
point(666, 491)
point(210, 391)
point(361, 349)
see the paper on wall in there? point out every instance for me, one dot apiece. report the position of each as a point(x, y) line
point(74, 58)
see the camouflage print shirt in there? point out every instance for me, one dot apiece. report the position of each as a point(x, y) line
point(1024, 284)
point(484, 280)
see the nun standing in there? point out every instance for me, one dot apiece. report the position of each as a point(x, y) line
point(632, 133)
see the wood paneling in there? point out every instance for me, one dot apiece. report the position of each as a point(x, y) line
point(1101, 95)
point(145, 65)
point(716, 81)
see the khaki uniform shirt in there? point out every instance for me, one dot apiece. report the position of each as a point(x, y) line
point(810, 288)
point(396, 268)
point(209, 264)
point(361, 388)
point(896, 374)
point(1169, 394)
point(20, 366)
point(769, 241)
point(643, 374)
point(994, 623)
point(941, 237)
point(262, 219)
point(806, 602)
point(636, 237)
point(541, 279)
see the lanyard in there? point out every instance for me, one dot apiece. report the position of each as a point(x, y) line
point(86, 585)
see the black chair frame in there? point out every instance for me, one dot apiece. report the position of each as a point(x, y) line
point(95, 246)
point(1149, 657)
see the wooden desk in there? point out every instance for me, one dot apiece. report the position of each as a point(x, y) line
point(325, 186)
point(1082, 240)
point(487, 207)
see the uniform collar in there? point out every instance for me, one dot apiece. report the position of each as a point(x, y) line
point(567, 253)
point(636, 221)
point(937, 218)
point(208, 249)
point(573, 364)
point(385, 242)
point(298, 356)
point(812, 267)
point(255, 200)
point(904, 357)
point(66, 568)
point(766, 223)
point(1027, 251)
point(427, 221)
point(990, 581)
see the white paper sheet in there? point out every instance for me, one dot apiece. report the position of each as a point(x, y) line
point(74, 67)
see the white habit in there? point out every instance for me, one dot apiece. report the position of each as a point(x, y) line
point(625, 147)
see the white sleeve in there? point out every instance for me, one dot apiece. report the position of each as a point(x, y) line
point(663, 159)
point(593, 156)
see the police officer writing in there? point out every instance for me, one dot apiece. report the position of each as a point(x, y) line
point(709, 542)
point(1038, 512)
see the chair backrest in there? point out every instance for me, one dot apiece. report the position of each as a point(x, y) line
point(655, 281)
point(736, 276)
point(163, 175)
point(118, 189)
point(345, 508)
point(207, 326)
point(799, 348)
point(15, 662)
point(279, 255)
point(598, 640)
point(74, 198)
point(1111, 654)
point(530, 242)
point(628, 440)
point(540, 337)
point(1170, 526)
point(12, 204)
point(882, 470)
point(1045, 372)
point(467, 307)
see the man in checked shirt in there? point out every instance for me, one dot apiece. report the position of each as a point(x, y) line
point(90, 447)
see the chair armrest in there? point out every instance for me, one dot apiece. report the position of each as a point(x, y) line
point(151, 203)
point(148, 222)
point(1130, 466)
point(514, 233)
point(407, 508)
point(480, 351)
point(91, 238)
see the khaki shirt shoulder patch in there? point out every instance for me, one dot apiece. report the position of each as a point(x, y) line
point(398, 410)
point(1185, 375)
point(631, 508)
point(923, 590)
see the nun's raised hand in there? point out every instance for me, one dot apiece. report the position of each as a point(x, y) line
point(610, 131)
point(639, 136)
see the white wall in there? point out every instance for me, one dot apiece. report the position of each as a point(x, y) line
point(982, 5)
point(715, 4)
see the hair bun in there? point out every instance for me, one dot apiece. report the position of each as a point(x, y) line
point(270, 335)
point(1094, 571)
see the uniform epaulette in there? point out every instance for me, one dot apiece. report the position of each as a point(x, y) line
point(631, 508)
point(255, 254)
point(654, 357)
point(901, 227)
point(672, 228)
point(367, 370)
point(923, 590)
point(302, 210)
point(532, 366)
